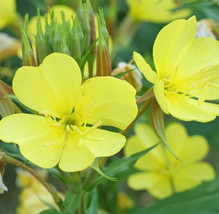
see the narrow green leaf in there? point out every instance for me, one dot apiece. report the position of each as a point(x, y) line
point(123, 73)
point(95, 166)
point(121, 166)
point(194, 5)
point(50, 211)
point(93, 207)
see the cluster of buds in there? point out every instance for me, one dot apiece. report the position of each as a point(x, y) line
point(76, 37)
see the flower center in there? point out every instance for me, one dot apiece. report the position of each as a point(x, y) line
point(193, 86)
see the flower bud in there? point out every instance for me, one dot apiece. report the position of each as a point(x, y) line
point(131, 74)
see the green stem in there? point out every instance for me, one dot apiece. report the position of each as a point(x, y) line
point(127, 30)
point(50, 189)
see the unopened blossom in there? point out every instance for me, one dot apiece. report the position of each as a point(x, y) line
point(57, 10)
point(7, 12)
point(160, 173)
point(155, 11)
point(134, 77)
point(67, 130)
point(186, 81)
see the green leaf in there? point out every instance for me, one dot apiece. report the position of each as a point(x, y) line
point(95, 166)
point(195, 5)
point(201, 200)
point(121, 166)
point(72, 201)
point(14, 98)
point(50, 211)
point(159, 127)
point(123, 73)
point(93, 207)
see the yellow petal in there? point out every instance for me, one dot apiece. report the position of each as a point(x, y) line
point(157, 184)
point(193, 175)
point(7, 12)
point(75, 155)
point(133, 145)
point(176, 136)
point(160, 96)
point(195, 148)
point(203, 52)
point(145, 138)
point(155, 11)
point(189, 109)
point(188, 149)
point(109, 100)
point(59, 9)
point(51, 88)
point(144, 67)
point(147, 162)
point(102, 143)
point(212, 90)
point(171, 44)
point(39, 140)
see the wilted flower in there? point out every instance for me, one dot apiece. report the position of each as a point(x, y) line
point(7, 12)
point(34, 197)
point(134, 77)
point(161, 174)
point(187, 72)
point(69, 133)
point(155, 11)
point(205, 28)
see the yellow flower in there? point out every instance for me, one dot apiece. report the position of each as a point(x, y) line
point(187, 74)
point(124, 201)
point(161, 174)
point(33, 195)
point(69, 133)
point(155, 10)
point(7, 12)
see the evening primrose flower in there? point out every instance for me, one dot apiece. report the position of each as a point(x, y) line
point(155, 11)
point(161, 174)
point(7, 12)
point(67, 130)
point(187, 74)
point(33, 196)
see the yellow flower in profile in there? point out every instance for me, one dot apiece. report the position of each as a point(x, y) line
point(155, 10)
point(33, 196)
point(68, 132)
point(162, 174)
point(187, 74)
point(7, 12)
